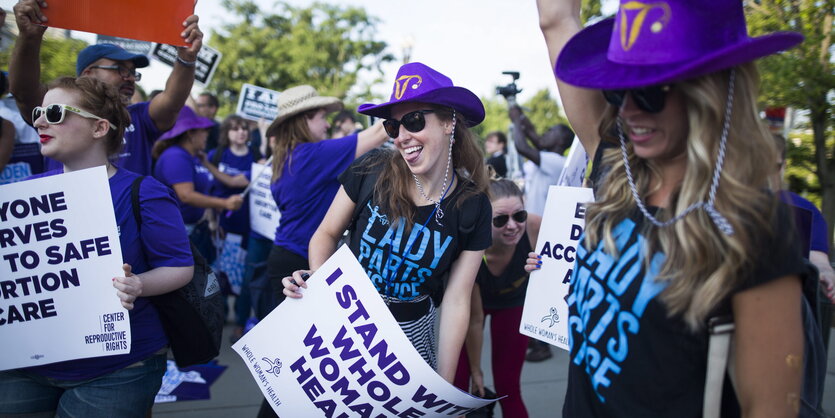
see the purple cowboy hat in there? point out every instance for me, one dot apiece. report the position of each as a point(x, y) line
point(416, 82)
point(663, 41)
point(186, 121)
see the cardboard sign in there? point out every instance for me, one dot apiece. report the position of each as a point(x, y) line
point(574, 170)
point(545, 314)
point(207, 60)
point(59, 249)
point(256, 103)
point(264, 216)
point(131, 45)
point(338, 352)
point(146, 20)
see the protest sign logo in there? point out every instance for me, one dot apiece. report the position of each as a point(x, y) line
point(553, 317)
point(274, 367)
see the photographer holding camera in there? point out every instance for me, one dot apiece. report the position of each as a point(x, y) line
point(545, 157)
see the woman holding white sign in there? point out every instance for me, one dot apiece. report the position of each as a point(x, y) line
point(419, 215)
point(684, 228)
point(81, 124)
point(499, 292)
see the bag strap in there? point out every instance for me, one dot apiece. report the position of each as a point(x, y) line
point(721, 330)
point(365, 195)
point(134, 198)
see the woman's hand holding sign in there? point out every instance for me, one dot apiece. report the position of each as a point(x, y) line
point(293, 284)
point(534, 262)
point(128, 287)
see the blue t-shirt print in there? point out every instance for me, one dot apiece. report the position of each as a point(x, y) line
point(607, 300)
point(398, 262)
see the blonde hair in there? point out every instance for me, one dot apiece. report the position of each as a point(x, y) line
point(288, 134)
point(702, 265)
point(396, 180)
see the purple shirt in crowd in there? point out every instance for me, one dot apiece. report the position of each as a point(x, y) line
point(231, 164)
point(139, 138)
point(817, 228)
point(162, 242)
point(176, 165)
point(306, 188)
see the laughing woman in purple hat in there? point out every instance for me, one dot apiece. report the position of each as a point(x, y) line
point(181, 165)
point(684, 228)
point(423, 220)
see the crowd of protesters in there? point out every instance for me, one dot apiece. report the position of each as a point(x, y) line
point(677, 171)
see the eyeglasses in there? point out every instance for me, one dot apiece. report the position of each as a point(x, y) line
point(55, 113)
point(501, 220)
point(123, 71)
point(412, 121)
point(649, 99)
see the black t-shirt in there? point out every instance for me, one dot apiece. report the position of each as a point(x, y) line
point(507, 290)
point(628, 358)
point(379, 245)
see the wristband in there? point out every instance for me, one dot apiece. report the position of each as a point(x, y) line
point(186, 63)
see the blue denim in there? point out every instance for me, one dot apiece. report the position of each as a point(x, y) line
point(257, 251)
point(127, 392)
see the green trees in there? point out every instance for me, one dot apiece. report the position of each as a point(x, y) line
point(803, 78)
point(57, 57)
point(323, 45)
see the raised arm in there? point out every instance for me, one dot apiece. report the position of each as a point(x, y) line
point(370, 138)
point(455, 312)
point(25, 64)
point(524, 129)
point(165, 107)
point(559, 20)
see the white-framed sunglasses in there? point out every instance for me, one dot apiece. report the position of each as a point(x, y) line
point(56, 112)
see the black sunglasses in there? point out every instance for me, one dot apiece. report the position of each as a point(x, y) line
point(412, 121)
point(649, 99)
point(501, 220)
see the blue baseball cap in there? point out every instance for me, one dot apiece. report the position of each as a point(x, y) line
point(92, 53)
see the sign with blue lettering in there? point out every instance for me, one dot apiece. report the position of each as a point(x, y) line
point(256, 103)
point(59, 249)
point(545, 314)
point(263, 212)
point(341, 353)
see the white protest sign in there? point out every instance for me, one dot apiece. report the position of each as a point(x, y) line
point(263, 213)
point(338, 352)
point(545, 314)
point(59, 249)
point(207, 60)
point(574, 170)
point(256, 103)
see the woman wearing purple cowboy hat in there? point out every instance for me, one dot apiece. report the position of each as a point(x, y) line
point(181, 165)
point(683, 228)
point(424, 213)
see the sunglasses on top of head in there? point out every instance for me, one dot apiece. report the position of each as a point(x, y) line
point(518, 217)
point(55, 113)
point(649, 99)
point(412, 121)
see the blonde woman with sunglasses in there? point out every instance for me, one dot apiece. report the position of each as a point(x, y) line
point(81, 124)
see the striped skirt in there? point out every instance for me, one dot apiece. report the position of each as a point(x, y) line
point(421, 333)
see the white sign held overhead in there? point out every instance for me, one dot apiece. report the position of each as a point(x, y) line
point(59, 249)
point(256, 103)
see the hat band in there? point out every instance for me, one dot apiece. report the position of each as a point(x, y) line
point(295, 102)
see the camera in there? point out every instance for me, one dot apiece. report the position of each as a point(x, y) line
point(511, 90)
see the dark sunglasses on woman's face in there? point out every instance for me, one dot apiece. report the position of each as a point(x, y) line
point(518, 217)
point(412, 121)
point(649, 99)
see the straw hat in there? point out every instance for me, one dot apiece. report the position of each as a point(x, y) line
point(300, 99)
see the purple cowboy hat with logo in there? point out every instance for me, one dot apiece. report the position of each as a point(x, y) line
point(186, 121)
point(416, 82)
point(656, 42)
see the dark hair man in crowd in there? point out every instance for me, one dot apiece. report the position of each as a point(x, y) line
point(206, 106)
point(112, 65)
point(495, 148)
point(344, 124)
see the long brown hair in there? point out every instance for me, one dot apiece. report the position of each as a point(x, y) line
point(702, 265)
point(289, 134)
point(395, 180)
point(102, 100)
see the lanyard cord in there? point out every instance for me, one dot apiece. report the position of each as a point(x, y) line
point(390, 276)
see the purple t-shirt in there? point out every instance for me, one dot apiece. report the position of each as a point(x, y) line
point(162, 243)
point(306, 188)
point(817, 232)
point(176, 165)
point(231, 164)
point(139, 138)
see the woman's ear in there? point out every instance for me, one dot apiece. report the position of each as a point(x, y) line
point(100, 128)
